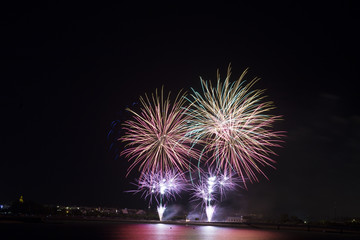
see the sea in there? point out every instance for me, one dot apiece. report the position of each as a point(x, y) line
point(153, 231)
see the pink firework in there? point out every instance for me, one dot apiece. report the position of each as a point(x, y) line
point(156, 137)
point(161, 187)
point(211, 188)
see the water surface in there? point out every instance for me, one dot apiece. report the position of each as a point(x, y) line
point(130, 231)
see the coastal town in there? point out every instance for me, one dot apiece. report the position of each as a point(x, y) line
point(21, 211)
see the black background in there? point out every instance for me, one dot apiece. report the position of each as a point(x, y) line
point(70, 70)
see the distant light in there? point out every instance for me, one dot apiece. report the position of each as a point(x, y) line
point(1, 206)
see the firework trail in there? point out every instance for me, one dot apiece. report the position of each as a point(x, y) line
point(229, 122)
point(162, 187)
point(212, 189)
point(158, 145)
point(153, 185)
point(233, 127)
point(156, 137)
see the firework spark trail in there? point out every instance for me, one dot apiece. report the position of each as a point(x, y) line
point(232, 124)
point(215, 185)
point(161, 209)
point(156, 138)
point(165, 186)
point(212, 189)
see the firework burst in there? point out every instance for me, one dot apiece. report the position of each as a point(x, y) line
point(160, 186)
point(156, 137)
point(232, 124)
point(212, 188)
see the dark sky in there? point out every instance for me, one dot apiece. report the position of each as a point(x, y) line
point(69, 70)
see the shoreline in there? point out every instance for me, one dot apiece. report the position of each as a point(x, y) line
point(340, 229)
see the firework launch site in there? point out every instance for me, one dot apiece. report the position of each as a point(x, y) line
point(31, 212)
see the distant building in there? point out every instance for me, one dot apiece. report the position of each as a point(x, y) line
point(235, 219)
point(4, 209)
point(246, 218)
point(4, 206)
point(133, 211)
point(140, 212)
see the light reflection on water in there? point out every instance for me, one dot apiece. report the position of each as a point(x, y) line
point(132, 231)
point(177, 232)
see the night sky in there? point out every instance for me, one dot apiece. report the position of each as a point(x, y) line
point(68, 71)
